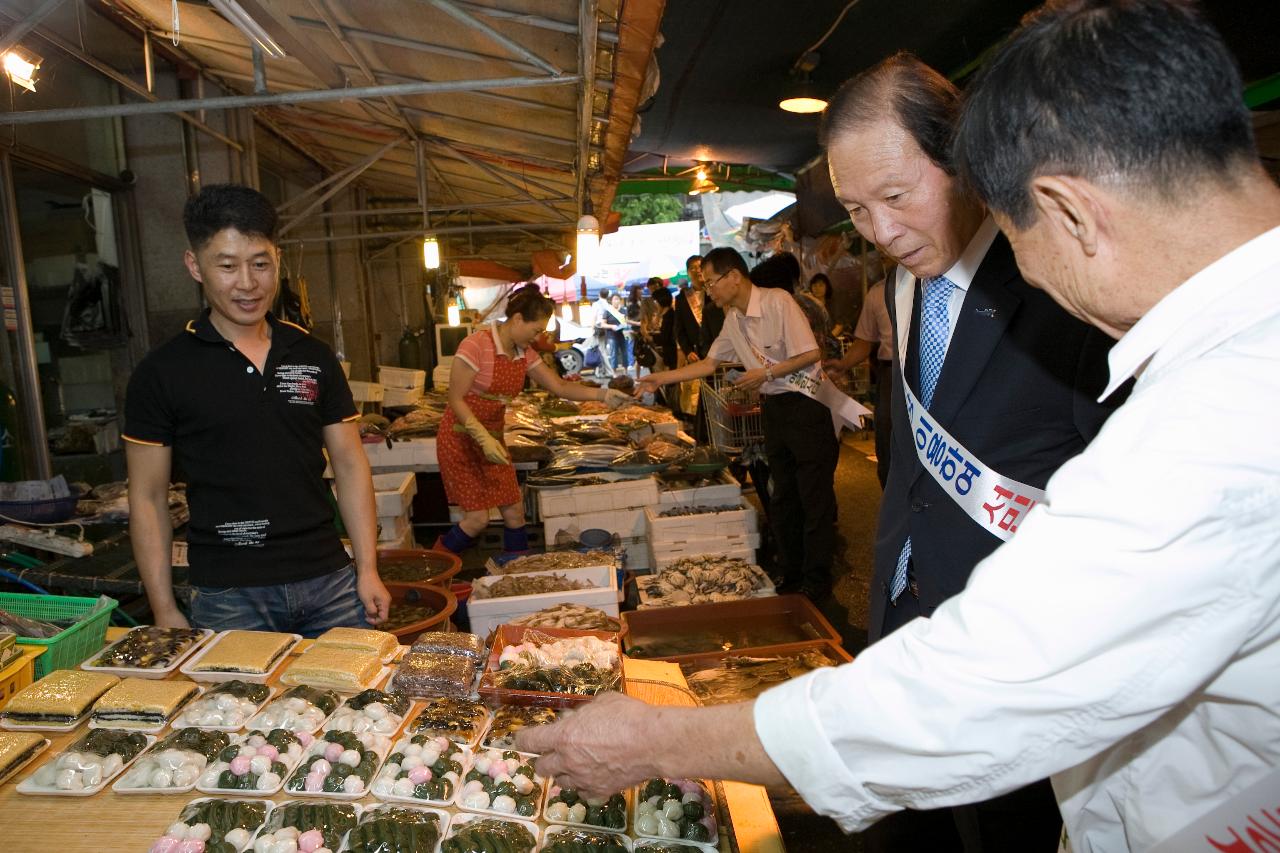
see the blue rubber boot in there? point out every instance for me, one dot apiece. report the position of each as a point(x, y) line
point(515, 540)
point(456, 540)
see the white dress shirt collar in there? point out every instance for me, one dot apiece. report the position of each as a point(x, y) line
point(963, 270)
point(1203, 297)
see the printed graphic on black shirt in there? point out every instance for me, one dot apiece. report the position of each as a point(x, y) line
point(244, 534)
point(300, 382)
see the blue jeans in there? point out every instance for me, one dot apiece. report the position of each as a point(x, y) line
point(308, 607)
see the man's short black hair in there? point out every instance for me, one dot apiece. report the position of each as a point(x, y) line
point(662, 296)
point(723, 259)
point(781, 271)
point(221, 206)
point(923, 102)
point(691, 259)
point(1141, 94)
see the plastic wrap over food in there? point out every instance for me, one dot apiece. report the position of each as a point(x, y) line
point(576, 616)
point(450, 643)
point(460, 720)
point(427, 674)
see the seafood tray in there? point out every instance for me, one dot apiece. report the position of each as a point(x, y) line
point(475, 833)
point(704, 579)
point(488, 614)
point(680, 528)
point(722, 677)
point(501, 782)
point(514, 635)
point(740, 547)
point(572, 616)
point(422, 769)
point(675, 809)
point(532, 583)
point(750, 625)
point(720, 487)
point(552, 561)
point(580, 500)
point(397, 829)
point(226, 826)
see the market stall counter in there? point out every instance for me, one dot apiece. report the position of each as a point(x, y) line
point(110, 820)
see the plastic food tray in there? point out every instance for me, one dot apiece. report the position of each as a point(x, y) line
point(709, 804)
point(139, 727)
point(378, 678)
point(121, 788)
point(468, 757)
point(626, 812)
point(793, 618)
point(252, 723)
point(289, 767)
point(260, 831)
point(471, 744)
point(446, 820)
point(252, 677)
point(409, 714)
point(342, 796)
point(508, 635)
point(549, 834)
point(137, 672)
point(27, 786)
point(253, 831)
point(13, 771)
point(63, 728)
point(644, 845)
point(539, 786)
point(176, 724)
point(461, 819)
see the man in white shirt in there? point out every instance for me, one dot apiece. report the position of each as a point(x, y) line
point(765, 327)
point(873, 339)
point(1127, 640)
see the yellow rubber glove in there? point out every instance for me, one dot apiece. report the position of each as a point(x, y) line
point(490, 446)
point(616, 399)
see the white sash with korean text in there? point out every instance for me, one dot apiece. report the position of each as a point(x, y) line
point(996, 503)
point(1249, 822)
point(846, 413)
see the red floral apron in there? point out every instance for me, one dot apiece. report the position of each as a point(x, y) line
point(471, 481)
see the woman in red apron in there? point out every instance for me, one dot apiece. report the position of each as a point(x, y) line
point(489, 369)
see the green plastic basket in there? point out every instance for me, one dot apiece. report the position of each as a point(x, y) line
point(72, 646)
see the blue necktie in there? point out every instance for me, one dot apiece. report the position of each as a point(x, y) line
point(933, 350)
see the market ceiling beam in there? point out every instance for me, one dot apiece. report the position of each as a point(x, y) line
point(509, 131)
point(588, 14)
point(272, 17)
point(109, 72)
point(469, 20)
point(532, 20)
point(417, 232)
point(388, 77)
point(494, 173)
point(337, 187)
point(27, 24)
point(309, 97)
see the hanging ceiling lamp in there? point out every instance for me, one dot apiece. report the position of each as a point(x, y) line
point(431, 253)
point(587, 243)
point(801, 96)
point(702, 183)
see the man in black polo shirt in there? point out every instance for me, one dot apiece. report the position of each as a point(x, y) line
point(245, 405)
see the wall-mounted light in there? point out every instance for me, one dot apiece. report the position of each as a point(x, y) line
point(431, 253)
point(587, 243)
point(455, 315)
point(702, 183)
point(21, 65)
point(244, 22)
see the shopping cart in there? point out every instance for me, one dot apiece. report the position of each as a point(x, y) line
point(733, 416)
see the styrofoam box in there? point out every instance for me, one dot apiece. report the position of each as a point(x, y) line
point(726, 490)
point(662, 555)
point(401, 396)
point(411, 453)
point(580, 500)
point(407, 542)
point(681, 528)
point(402, 377)
point(366, 392)
point(626, 523)
point(488, 613)
point(392, 493)
point(391, 528)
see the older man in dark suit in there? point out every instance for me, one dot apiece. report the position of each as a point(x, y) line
point(996, 375)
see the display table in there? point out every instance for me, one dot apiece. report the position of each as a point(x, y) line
point(112, 821)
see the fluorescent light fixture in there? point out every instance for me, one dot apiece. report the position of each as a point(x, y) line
point(455, 315)
point(21, 66)
point(244, 22)
point(431, 253)
point(588, 243)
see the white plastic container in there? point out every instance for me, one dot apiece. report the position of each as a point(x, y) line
point(581, 500)
point(712, 525)
point(663, 554)
point(392, 528)
point(155, 673)
point(394, 493)
point(488, 613)
point(726, 490)
point(400, 397)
